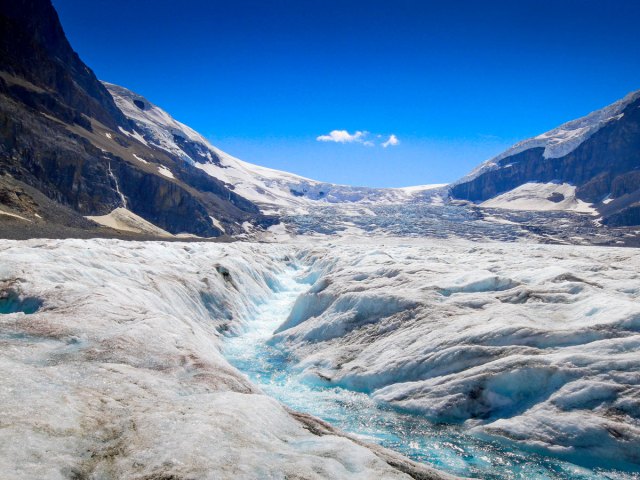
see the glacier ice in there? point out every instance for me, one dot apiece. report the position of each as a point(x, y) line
point(527, 344)
point(119, 374)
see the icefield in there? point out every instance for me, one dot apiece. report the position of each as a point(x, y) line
point(346, 357)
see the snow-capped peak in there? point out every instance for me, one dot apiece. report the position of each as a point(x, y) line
point(564, 139)
point(269, 188)
point(158, 127)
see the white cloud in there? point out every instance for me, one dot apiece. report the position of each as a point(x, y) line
point(342, 136)
point(359, 136)
point(393, 141)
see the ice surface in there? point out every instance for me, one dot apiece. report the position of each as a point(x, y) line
point(119, 373)
point(533, 345)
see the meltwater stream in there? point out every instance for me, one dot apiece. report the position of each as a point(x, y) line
point(446, 448)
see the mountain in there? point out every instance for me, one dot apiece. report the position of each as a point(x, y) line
point(82, 157)
point(37, 57)
point(589, 163)
point(273, 190)
point(68, 152)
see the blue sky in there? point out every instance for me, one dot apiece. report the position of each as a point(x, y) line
point(456, 82)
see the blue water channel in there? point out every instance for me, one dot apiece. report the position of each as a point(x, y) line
point(445, 447)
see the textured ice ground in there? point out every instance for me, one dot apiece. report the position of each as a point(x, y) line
point(110, 368)
point(110, 363)
point(422, 220)
point(529, 344)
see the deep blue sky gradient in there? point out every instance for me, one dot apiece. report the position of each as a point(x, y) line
point(456, 81)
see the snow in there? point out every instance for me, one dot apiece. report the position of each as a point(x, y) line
point(157, 127)
point(139, 158)
point(421, 188)
point(564, 139)
point(536, 197)
point(216, 223)
point(126, 220)
point(273, 189)
point(119, 373)
point(165, 171)
point(15, 215)
point(135, 135)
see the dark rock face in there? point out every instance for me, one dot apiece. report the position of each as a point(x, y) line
point(33, 46)
point(60, 133)
point(625, 217)
point(607, 164)
point(513, 172)
point(555, 197)
point(195, 151)
point(40, 152)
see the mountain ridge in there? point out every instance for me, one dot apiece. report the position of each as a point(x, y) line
point(98, 149)
point(273, 189)
point(599, 154)
point(62, 134)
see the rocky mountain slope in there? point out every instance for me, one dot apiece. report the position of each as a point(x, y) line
point(597, 155)
point(62, 134)
point(273, 190)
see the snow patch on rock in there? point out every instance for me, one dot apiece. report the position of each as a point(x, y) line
point(165, 171)
point(540, 197)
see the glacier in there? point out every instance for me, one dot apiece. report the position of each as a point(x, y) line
point(211, 360)
point(118, 373)
point(528, 345)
